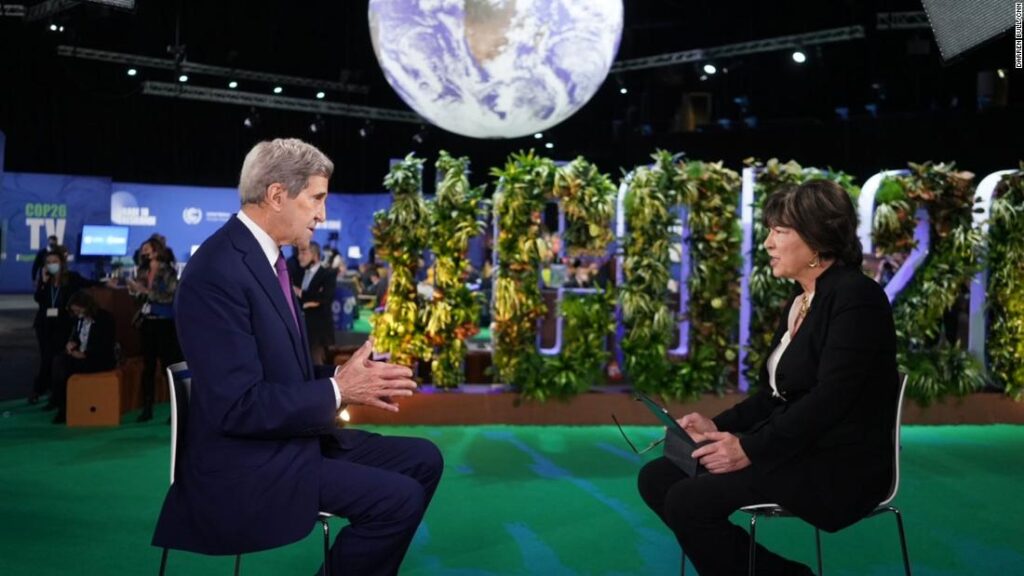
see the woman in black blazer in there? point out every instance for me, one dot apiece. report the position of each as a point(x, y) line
point(816, 438)
point(89, 348)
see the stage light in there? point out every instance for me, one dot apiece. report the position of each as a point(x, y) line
point(320, 95)
point(538, 135)
point(623, 90)
point(843, 112)
point(60, 29)
point(1001, 73)
point(132, 71)
point(703, 77)
point(232, 84)
point(183, 78)
point(252, 120)
point(549, 145)
point(799, 57)
point(53, 27)
point(344, 416)
point(710, 69)
point(317, 125)
point(365, 131)
point(278, 89)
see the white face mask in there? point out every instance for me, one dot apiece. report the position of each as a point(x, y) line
point(53, 268)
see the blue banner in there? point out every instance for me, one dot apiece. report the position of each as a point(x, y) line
point(184, 215)
point(355, 215)
point(35, 206)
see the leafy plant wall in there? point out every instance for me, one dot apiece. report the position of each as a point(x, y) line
point(935, 364)
point(400, 235)
point(523, 184)
point(1005, 344)
point(457, 214)
point(712, 194)
point(588, 199)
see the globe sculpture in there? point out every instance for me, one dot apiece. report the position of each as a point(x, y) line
point(495, 68)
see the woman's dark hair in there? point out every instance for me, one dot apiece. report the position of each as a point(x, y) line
point(83, 300)
point(822, 213)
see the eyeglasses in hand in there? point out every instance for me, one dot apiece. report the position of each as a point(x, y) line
point(649, 447)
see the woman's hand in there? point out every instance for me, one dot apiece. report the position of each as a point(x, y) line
point(724, 454)
point(697, 425)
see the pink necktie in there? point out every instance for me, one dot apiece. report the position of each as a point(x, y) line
point(286, 285)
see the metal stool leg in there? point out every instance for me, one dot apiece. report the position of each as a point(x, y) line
point(327, 547)
point(817, 542)
point(753, 544)
point(903, 539)
point(238, 563)
point(163, 562)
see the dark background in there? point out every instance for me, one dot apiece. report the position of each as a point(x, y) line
point(64, 115)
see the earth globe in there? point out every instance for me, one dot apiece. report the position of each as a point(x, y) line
point(495, 68)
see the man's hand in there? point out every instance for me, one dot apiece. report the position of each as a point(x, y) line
point(697, 425)
point(307, 305)
point(298, 291)
point(71, 346)
point(724, 454)
point(77, 354)
point(363, 381)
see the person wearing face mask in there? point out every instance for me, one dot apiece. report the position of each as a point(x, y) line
point(56, 284)
point(40, 262)
point(155, 284)
point(89, 348)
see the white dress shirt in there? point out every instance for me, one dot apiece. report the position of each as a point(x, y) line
point(271, 250)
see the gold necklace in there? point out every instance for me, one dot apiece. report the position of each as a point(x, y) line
point(805, 305)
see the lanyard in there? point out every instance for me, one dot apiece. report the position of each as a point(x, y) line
point(54, 293)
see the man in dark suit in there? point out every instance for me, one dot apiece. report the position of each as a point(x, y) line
point(314, 286)
point(263, 454)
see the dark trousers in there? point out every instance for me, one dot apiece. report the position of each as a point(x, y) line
point(50, 346)
point(159, 341)
point(64, 367)
point(383, 487)
point(697, 511)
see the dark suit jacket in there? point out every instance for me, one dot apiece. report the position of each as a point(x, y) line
point(319, 320)
point(824, 451)
point(99, 350)
point(249, 476)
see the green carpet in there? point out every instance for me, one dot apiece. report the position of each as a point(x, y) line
point(514, 500)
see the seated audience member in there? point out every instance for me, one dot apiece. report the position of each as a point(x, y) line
point(816, 437)
point(89, 349)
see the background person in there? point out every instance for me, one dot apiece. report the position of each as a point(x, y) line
point(52, 322)
point(315, 291)
point(155, 284)
point(89, 348)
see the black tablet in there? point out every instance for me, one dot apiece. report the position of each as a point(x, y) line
point(678, 444)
